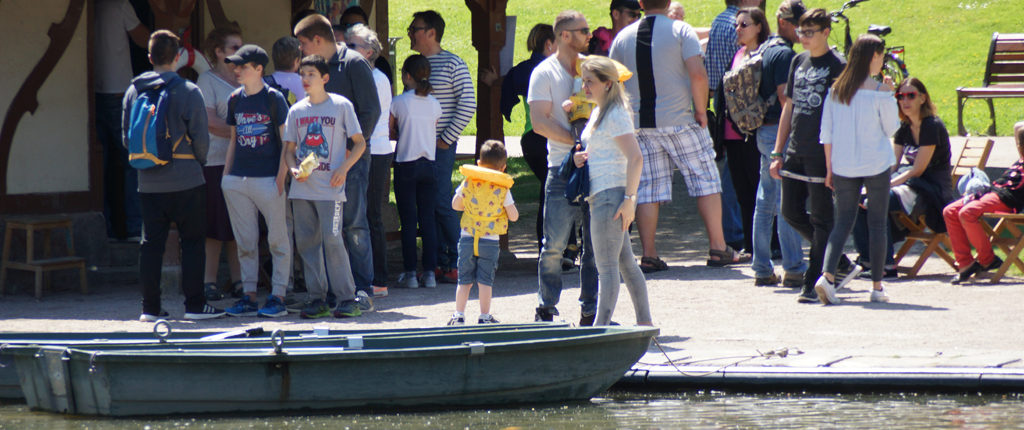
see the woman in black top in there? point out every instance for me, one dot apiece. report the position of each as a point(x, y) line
point(923, 141)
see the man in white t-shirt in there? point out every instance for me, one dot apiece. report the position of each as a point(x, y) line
point(551, 84)
point(670, 80)
point(115, 24)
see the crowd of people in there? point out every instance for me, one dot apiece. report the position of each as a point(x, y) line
point(611, 113)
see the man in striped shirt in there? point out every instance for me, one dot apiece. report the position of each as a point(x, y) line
point(453, 87)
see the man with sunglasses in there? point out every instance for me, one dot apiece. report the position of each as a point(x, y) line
point(806, 202)
point(453, 87)
point(623, 13)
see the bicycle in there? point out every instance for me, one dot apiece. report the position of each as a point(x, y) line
point(893, 66)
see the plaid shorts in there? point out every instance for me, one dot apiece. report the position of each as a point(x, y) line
point(690, 148)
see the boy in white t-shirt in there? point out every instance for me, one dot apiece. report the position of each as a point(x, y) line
point(315, 138)
point(487, 207)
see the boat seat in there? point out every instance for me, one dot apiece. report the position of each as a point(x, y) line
point(879, 30)
point(41, 266)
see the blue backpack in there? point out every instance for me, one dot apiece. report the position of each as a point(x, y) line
point(149, 139)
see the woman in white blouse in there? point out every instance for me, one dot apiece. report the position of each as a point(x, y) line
point(859, 116)
point(614, 161)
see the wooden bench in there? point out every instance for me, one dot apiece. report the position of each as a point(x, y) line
point(41, 267)
point(1004, 78)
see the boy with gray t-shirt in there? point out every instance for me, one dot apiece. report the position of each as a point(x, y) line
point(315, 138)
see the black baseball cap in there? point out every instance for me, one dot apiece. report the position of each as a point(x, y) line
point(791, 10)
point(249, 54)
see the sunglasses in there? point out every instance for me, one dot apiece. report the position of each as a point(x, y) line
point(352, 45)
point(632, 14)
point(743, 24)
point(412, 29)
point(807, 33)
point(908, 96)
point(584, 30)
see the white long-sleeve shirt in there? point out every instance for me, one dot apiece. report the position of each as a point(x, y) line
point(859, 132)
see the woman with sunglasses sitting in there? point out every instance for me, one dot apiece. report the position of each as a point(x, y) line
point(922, 185)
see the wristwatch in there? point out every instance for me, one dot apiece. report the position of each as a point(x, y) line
point(630, 197)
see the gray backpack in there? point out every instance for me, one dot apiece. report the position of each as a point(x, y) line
point(741, 87)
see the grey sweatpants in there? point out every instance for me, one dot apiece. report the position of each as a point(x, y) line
point(319, 242)
point(246, 198)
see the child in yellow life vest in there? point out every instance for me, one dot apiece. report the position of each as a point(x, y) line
point(487, 206)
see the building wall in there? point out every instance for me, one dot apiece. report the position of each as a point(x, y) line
point(49, 153)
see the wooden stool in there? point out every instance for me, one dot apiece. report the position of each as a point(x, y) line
point(45, 225)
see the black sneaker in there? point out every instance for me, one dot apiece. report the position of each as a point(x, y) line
point(487, 319)
point(208, 312)
point(587, 320)
point(808, 296)
point(890, 273)
point(545, 314)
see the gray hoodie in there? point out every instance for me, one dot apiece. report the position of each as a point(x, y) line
point(186, 116)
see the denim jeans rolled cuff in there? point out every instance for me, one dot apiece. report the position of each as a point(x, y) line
point(847, 199)
point(376, 201)
point(613, 253)
point(320, 245)
point(355, 226)
point(187, 210)
point(766, 211)
point(247, 198)
point(559, 219)
point(478, 269)
point(447, 219)
point(415, 196)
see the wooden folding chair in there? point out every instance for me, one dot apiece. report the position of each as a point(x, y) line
point(1007, 235)
point(974, 154)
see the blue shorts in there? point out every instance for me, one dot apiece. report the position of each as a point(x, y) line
point(477, 269)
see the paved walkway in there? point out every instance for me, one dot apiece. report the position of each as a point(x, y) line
point(712, 316)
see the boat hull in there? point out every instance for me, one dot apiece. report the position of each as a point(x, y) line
point(497, 368)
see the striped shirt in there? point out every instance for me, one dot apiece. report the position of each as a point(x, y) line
point(722, 46)
point(453, 87)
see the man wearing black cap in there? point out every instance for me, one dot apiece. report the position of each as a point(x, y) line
point(253, 183)
point(774, 75)
point(623, 13)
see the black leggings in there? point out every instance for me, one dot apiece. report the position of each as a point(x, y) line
point(744, 166)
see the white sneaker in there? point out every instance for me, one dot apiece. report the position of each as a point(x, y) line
point(429, 281)
point(408, 280)
point(826, 291)
point(854, 272)
point(879, 296)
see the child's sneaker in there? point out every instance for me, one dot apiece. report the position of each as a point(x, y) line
point(273, 308)
point(457, 319)
point(429, 281)
point(347, 309)
point(154, 318)
point(380, 291)
point(486, 319)
point(826, 291)
point(316, 309)
point(244, 307)
point(879, 296)
point(408, 280)
point(364, 302)
point(208, 312)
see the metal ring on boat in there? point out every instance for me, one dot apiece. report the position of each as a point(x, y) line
point(277, 339)
point(162, 334)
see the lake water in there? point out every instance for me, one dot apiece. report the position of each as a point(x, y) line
point(615, 410)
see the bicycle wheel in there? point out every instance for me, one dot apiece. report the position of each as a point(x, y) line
point(895, 69)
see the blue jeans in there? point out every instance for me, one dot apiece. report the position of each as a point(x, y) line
point(732, 219)
point(478, 269)
point(354, 225)
point(446, 217)
point(613, 253)
point(769, 197)
point(415, 191)
point(559, 219)
point(121, 206)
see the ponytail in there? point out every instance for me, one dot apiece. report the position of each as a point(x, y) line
point(418, 68)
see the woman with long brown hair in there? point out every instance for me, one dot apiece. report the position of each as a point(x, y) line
point(858, 118)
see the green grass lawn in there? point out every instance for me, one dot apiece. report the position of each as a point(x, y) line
point(946, 40)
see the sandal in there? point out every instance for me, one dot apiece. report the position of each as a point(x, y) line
point(236, 290)
point(212, 292)
point(652, 264)
point(727, 257)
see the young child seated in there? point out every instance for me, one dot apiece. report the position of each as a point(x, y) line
point(963, 216)
point(487, 207)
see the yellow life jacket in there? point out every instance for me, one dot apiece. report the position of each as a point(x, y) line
point(483, 195)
